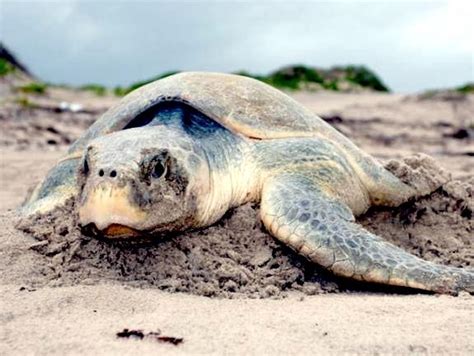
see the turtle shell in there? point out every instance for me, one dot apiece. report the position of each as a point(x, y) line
point(243, 105)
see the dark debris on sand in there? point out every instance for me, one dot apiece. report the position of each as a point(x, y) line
point(152, 335)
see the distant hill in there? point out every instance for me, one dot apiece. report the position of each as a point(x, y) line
point(15, 76)
point(9, 63)
point(340, 78)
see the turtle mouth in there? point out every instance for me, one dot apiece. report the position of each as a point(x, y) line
point(113, 231)
point(118, 230)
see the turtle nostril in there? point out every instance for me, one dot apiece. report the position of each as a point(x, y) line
point(113, 174)
point(101, 172)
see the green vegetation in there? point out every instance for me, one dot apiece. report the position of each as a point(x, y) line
point(364, 77)
point(331, 85)
point(290, 78)
point(24, 102)
point(33, 88)
point(293, 78)
point(5, 67)
point(302, 77)
point(97, 89)
point(466, 88)
point(120, 91)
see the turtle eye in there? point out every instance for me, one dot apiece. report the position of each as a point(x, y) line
point(158, 170)
point(156, 166)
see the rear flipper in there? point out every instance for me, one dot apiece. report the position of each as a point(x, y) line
point(403, 180)
point(323, 229)
point(59, 185)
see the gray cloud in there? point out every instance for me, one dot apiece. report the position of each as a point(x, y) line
point(412, 46)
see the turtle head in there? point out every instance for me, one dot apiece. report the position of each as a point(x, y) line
point(140, 181)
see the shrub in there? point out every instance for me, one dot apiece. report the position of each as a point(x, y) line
point(331, 85)
point(466, 88)
point(97, 89)
point(33, 88)
point(294, 77)
point(5, 67)
point(364, 77)
point(120, 91)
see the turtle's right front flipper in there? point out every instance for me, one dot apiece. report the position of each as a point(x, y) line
point(322, 228)
point(59, 185)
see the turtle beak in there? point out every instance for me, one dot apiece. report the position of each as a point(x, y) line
point(107, 207)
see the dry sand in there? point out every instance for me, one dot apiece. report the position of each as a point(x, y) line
point(66, 294)
point(84, 319)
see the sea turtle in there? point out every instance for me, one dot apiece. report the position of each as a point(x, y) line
point(178, 153)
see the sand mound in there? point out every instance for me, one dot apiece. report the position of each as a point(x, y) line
point(238, 257)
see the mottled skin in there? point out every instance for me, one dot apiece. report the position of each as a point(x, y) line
point(180, 152)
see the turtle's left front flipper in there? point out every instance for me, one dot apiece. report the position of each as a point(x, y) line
point(312, 222)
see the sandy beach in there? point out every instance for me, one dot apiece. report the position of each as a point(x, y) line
point(63, 294)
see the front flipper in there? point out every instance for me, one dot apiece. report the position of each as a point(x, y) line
point(59, 185)
point(318, 226)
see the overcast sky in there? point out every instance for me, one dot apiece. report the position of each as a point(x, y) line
point(411, 45)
